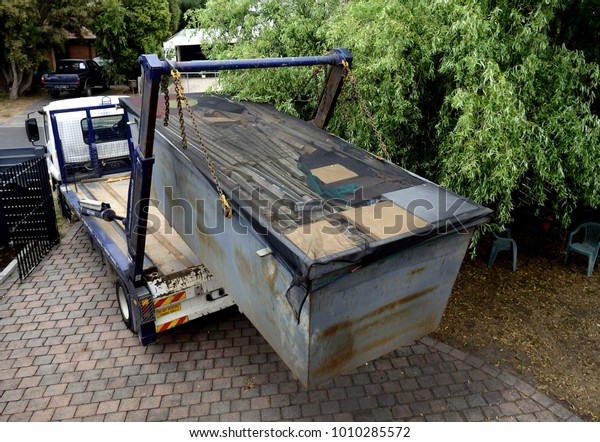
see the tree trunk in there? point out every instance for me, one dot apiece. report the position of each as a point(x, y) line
point(21, 81)
point(26, 81)
point(16, 80)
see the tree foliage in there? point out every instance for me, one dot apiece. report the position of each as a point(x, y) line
point(29, 28)
point(186, 5)
point(125, 29)
point(481, 96)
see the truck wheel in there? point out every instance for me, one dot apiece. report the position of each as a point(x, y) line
point(54, 94)
point(87, 90)
point(124, 301)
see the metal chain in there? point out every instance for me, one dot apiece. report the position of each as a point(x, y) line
point(346, 100)
point(164, 86)
point(314, 75)
point(365, 109)
point(181, 99)
point(179, 93)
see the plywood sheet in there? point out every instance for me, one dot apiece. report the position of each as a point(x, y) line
point(320, 239)
point(333, 173)
point(164, 246)
point(383, 220)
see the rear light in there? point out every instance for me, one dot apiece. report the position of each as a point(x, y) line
point(43, 80)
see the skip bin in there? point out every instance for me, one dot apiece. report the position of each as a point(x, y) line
point(336, 256)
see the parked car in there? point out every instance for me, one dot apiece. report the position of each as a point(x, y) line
point(76, 76)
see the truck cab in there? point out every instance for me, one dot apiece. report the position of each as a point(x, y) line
point(85, 137)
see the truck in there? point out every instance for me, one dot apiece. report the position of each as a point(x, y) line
point(75, 76)
point(335, 255)
point(88, 142)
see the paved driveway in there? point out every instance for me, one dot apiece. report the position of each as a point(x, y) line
point(65, 355)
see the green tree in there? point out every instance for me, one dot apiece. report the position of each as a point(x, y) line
point(126, 29)
point(476, 95)
point(186, 5)
point(29, 28)
point(175, 10)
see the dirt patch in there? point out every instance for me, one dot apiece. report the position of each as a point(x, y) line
point(541, 322)
point(9, 108)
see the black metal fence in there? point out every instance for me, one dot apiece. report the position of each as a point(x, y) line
point(27, 216)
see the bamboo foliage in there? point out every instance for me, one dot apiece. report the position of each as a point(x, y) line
point(474, 95)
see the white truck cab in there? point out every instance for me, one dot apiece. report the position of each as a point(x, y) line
point(68, 134)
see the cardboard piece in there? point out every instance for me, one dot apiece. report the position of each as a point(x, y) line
point(383, 220)
point(320, 239)
point(333, 173)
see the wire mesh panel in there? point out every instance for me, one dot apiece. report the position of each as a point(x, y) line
point(91, 142)
point(27, 209)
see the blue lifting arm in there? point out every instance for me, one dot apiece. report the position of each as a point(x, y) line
point(153, 69)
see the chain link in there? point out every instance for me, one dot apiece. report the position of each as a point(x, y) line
point(314, 75)
point(164, 86)
point(181, 101)
point(365, 109)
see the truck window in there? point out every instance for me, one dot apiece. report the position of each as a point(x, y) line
point(106, 129)
point(70, 66)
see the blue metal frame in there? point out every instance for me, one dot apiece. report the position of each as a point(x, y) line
point(153, 69)
point(118, 261)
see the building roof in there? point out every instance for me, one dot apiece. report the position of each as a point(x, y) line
point(86, 34)
point(187, 37)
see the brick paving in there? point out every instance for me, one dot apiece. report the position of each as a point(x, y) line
point(65, 355)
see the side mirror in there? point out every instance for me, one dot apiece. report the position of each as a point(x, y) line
point(31, 127)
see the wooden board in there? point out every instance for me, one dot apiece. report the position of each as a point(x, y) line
point(333, 173)
point(383, 220)
point(164, 246)
point(320, 239)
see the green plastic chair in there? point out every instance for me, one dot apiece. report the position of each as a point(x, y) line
point(588, 247)
point(503, 243)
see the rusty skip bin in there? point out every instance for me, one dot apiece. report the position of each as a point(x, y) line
point(336, 256)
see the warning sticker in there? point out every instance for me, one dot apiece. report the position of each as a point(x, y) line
point(168, 310)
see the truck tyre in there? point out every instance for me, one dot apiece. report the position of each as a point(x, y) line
point(87, 89)
point(124, 301)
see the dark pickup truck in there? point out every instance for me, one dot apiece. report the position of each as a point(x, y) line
point(76, 76)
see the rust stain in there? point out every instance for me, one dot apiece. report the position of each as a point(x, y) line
point(180, 278)
point(243, 266)
point(336, 328)
point(340, 361)
point(270, 272)
point(416, 271)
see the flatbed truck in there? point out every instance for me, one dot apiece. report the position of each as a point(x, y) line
point(88, 143)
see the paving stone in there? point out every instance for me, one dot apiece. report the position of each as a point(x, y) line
point(64, 360)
